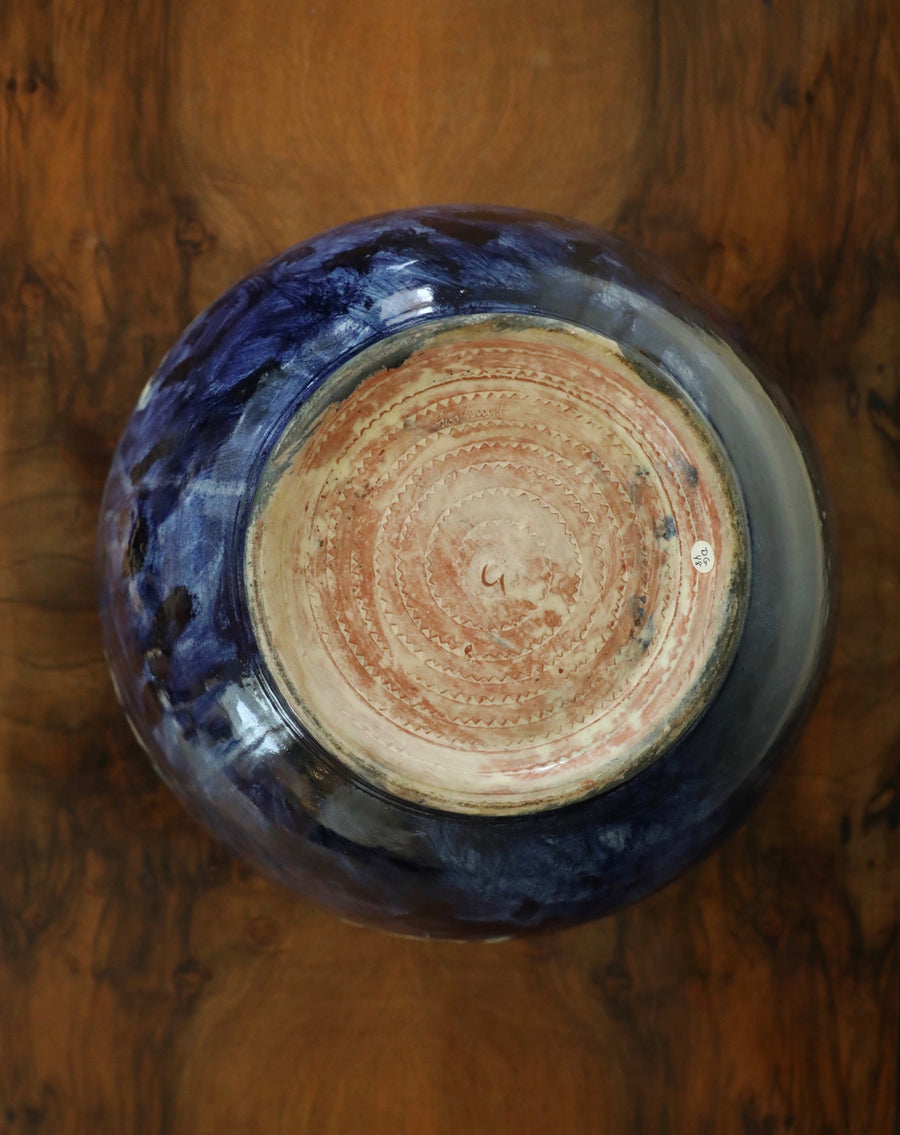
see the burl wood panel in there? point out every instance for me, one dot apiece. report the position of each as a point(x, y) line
point(150, 153)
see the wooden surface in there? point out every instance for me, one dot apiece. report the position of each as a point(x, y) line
point(152, 152)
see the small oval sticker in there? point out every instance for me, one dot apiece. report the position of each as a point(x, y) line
point(702, 556)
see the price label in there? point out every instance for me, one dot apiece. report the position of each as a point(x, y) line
point(703, 557)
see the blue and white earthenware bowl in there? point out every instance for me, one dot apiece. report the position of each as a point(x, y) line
point(463, 574)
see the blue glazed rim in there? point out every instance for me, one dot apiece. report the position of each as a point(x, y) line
point(189, 672)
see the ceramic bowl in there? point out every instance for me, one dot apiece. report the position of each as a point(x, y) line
point(463, 573)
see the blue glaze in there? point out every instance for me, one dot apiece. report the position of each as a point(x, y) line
point(188, 669)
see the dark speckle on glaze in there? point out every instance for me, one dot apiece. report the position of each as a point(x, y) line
point(136, 550)
point(172, 616)
point(190, 673)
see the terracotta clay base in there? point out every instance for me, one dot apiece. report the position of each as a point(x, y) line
point(494, 566)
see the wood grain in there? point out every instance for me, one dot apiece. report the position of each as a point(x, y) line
point(150, 153)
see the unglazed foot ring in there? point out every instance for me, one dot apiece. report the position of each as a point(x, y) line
point(471, 573)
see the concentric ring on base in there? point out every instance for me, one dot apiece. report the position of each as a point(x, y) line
point(493, 566)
